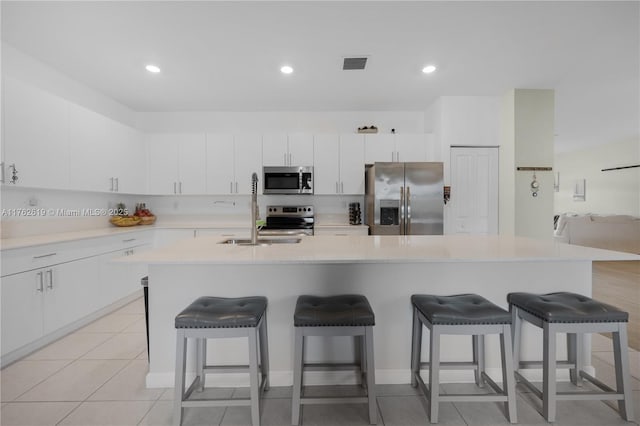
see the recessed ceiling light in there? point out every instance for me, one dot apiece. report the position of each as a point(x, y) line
point(153, 68)
point(429, 69)
point(286, 69)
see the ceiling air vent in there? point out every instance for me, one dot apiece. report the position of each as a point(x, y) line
point(354, 63)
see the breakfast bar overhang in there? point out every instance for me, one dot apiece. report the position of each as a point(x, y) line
point(386, 269)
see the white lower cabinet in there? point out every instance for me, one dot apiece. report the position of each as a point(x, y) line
point(22, 306)
point(41, 303)
point(38, 302)
point(118, 280)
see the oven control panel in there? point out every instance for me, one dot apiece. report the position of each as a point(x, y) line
point(292, 211)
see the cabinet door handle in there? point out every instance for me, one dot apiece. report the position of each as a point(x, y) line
point(337, 192)
point(342, 187)
point(398, 156)
point(2, 172)
point(236, 187)
point(290, 159)
point(128, 240)
point(44, 255)
point(40, 281)
point(230, 187)
point(174, 188)
point(50, 275)
point(111, 179)
point(117, 184)
point(180, 187)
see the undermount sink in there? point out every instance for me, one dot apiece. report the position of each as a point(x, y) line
point(261, 241)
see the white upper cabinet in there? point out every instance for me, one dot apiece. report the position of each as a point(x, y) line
point(352, 164)
point(248, 159)
point(36, 144)
point(379, 148)
point(220, 164)
point(176, 163)
point(300, 149)
point(275, 150)
point(399, 147)
point(339, 164)
point(231, 160)
point(287, 150)
point(326, 168)
point(105, 155)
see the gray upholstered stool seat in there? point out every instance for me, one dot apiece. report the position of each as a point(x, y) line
point(342, 311)
point(218, 317)
point(221, 312)
point(573, 314)
point(465, 314)
point(342, 315)
point(460, 309)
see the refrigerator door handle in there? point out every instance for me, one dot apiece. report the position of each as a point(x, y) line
point(408, 198)
point(402, 210)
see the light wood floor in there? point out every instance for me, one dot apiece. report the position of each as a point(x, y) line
point(618, 284)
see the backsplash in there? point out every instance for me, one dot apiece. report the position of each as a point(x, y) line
point(28, 212)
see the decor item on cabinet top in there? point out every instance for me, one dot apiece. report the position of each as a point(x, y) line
point(368, 129)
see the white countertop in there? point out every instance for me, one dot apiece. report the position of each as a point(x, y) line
point(60, 237)
point(375, 249)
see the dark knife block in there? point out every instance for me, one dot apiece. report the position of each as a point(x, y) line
point(355, 215)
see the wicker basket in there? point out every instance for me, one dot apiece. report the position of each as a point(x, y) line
point(124, 221)
point(147, 220)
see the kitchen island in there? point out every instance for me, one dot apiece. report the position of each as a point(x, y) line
point(386, 269)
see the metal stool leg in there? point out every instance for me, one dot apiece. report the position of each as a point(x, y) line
point(516, 330)
point(621, 355)
point(434, 373)
point(361, 350)
point(298, 360)
point(416, 347)
point(178, 397)
point(371, 380)
point(201, 362)
point(508, 378)
point(549, 372)
point(264, 353)
point(254, 380)
point(478, 358)
point(574, 356)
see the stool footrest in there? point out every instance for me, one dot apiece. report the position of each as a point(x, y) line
point(323, 366)
point(452, 365)
point(226, 368)
point(497, 389)
point(538, 364)
point(472, 397)
point(334, 400)
point(216, 402)
point(596, 382)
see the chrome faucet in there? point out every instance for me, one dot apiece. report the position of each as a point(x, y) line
point(254, 208)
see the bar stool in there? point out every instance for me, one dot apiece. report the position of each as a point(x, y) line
point(343, 315)
point(575, 315)
point(217, 317)
point(466, 314)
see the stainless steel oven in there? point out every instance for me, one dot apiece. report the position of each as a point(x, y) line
point(288, 220)
point(288, 180)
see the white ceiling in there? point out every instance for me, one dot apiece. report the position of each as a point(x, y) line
point(226, 56)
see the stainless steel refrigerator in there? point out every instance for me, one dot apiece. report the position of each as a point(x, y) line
point(404, 198)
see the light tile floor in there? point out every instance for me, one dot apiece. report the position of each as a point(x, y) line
point(95, 376)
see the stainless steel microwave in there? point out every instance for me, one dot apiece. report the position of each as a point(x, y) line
point(287, 180)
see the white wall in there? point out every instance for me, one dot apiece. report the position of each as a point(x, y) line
point(280, 121)
point(611, 192)
point(29, 70)
point(528, 126)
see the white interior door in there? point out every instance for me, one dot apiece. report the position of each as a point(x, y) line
point(473, 207)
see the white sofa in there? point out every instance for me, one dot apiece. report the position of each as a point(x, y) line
point(611, 232)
